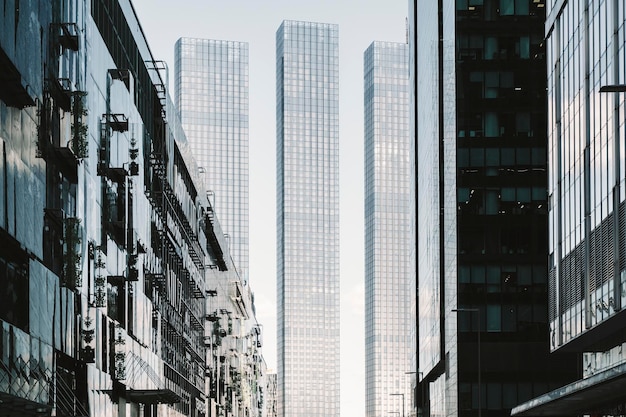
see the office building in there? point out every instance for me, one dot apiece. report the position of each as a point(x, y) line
point(482, 208)
point(212, 100)
point(387, 232)
point(587, 215)
point(111, 250)
point(307, 130)
point(412, 89)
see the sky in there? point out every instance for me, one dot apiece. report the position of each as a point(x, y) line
point(255, 21)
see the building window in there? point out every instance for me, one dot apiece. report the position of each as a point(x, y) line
point(514, 7)
point(14, 286)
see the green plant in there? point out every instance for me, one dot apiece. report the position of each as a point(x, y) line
point(79, 143)
point(72, 272)
point(39, 145)
point(99, 279)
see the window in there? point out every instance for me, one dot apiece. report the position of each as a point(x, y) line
point(14, 286)
point(514, 7)
point(494, 321)
point(507, 7)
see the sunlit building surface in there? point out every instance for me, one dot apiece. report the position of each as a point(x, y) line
point(587, 189)
point(212, 100)
point(236, 370)
point(387, 233)
point(482, 208)
point(413, 332)
point(307, 130)
point(271, 409)
point(111, 251)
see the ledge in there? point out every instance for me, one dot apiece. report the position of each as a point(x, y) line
point(591, 395)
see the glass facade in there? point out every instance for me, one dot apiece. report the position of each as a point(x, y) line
point(107, 236)
point(307, 130)
point(387, 232)
point(212, 100)
point(435, 226)
point(482, 227)
point(81, 254)
point(587, 188)
point(585, 51)
point(412, 62)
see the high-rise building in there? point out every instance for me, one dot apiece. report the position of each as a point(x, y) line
point(387, 232)
point(413, 332)
point(482, 217)
point(587, 210)
point(307, 136)
point(212, 99)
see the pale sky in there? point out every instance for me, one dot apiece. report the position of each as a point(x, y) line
point(254, 21)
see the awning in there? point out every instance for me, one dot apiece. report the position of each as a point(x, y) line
point(146, 396)
point(592, 395)
point(152, 396)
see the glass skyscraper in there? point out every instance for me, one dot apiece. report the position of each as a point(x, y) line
point(412, 42)
point(387, 233)
point(482, 216)
point(307, 131)
point(212, 98)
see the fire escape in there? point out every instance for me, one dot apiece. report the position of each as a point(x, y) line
point(178, 309)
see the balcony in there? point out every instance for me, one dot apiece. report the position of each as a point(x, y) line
point(61, 91)
point(68, 35)
point(116, 121)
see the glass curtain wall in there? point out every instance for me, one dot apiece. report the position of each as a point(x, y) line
point(387, 233)
point(482, 207)
point(212, 100)
point(307, 82)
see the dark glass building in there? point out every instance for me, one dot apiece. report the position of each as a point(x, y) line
point(482, 214)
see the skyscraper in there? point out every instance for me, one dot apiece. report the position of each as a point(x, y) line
point(412, 43)
point(212, 98)
point(307, 136)
point(482, 218)
point(587, 212)
point(387, 233)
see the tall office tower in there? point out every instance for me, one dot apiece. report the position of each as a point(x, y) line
point(307, 136)
point(587, 217)
point(413, 332)
point(387, 233)
point(212, 98)
point(482, 219)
